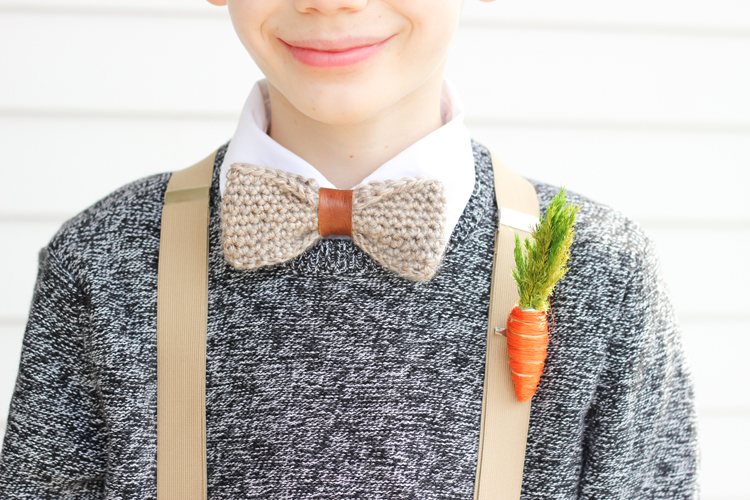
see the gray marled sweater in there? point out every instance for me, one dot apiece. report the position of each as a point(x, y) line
point(330, 378)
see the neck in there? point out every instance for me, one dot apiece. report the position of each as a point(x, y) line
point(347, 153)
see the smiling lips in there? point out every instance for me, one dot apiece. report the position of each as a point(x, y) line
point(327, 54)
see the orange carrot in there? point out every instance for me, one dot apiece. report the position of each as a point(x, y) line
point(527, 333)
point(540, 264)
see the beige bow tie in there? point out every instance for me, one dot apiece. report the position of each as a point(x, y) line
point(269, 216)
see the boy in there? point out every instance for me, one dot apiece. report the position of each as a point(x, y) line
point(329, 375)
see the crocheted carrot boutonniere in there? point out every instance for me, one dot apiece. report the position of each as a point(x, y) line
point(540, 264)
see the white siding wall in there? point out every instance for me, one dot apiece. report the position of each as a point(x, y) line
point(643, 105)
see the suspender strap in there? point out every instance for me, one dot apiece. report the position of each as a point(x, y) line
point(505, 421)
point(182, 312)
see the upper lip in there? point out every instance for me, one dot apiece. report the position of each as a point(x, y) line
point(336, 45)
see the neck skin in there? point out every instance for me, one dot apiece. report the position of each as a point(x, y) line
point(347, 153)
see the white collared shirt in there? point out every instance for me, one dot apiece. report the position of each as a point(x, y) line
point(444, 154)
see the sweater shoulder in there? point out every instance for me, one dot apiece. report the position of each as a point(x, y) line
point(123, 225)
point(131, 213)
point(603, 233)
point(614, 271)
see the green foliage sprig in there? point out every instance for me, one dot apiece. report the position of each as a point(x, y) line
point(543, 263)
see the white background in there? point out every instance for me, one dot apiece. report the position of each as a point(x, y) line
point(643, 105)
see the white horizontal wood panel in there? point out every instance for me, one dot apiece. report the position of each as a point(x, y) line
point(724, 445)
point(11, 338)
point(691, 13)
point(69, 163)
point(192, 64)
point(647, 175)
point(175, 6)
point(525, 74)
point(133, 64)
point(713, 364)
point(63, 165)
point(662, 13)
point(703, 268)
point(19, 259)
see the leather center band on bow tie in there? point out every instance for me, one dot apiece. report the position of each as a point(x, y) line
point(335, 211)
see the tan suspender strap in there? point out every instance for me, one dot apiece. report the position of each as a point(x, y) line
point(505, 421)
point(182, 312)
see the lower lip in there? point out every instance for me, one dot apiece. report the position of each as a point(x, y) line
point(330, 59)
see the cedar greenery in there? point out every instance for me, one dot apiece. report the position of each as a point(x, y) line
point(543, 263)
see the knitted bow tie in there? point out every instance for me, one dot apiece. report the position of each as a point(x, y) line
point(269, 216)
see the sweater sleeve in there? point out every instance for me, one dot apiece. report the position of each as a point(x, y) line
point(640, 432)
point(54, 443)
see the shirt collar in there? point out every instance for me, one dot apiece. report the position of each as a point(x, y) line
point(445, 153)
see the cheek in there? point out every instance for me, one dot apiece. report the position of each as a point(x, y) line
point(248, 18)
point(433, 23)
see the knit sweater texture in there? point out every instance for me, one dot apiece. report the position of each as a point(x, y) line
point(329, 377)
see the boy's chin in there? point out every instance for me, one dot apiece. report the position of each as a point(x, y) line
point(346, 103)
